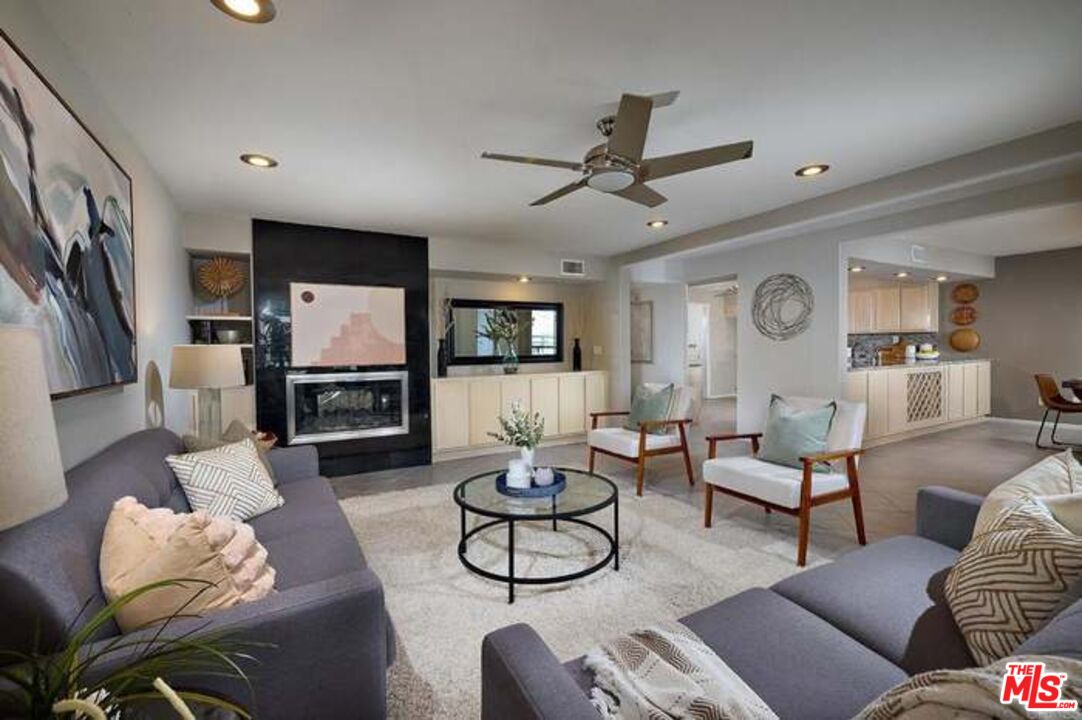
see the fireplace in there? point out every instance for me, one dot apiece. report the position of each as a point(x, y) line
point(323, 407)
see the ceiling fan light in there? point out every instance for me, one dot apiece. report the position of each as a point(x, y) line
point(611, 180)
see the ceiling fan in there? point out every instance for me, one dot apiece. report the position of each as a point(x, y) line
point(617, 166)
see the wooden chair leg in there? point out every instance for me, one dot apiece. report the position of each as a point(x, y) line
point(591, 460)
point(805, 515)
point(708, 519)
point(858, 508)
point(687, 456)
point(804, 533)
point(639, 479)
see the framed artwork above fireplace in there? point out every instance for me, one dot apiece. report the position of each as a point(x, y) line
point(347, 325)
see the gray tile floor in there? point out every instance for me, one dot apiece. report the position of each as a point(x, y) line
point(974, 458)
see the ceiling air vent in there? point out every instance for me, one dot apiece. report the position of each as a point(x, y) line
point(918, 254)
point(573, 268)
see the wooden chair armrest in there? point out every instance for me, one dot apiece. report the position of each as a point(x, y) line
point(713, 440)
point(595, 416)
point(830, 456)
point(647, 424)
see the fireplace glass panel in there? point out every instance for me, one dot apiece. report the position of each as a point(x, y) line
point(347, 405)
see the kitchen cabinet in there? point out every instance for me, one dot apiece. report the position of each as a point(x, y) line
point(861, 311)
point(878, 405)
point(919, 307)
point(888, 309)
point(882, 306)
point(908, 398)
point(984, 388)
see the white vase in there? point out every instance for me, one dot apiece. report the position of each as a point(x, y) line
point(526, 454)
point(518, 474)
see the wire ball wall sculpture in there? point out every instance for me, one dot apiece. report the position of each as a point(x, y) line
point(782, 306)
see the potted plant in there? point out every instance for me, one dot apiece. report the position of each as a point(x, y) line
point(521, 430)
point(110, 680)
point(501, 328)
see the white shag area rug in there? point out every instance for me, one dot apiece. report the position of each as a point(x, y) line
point(670, 566)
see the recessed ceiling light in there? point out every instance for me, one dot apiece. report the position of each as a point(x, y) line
point(659, 223)
point(812, 170)
point(941, 278)
point(857, 268)
point(524, 278)
point(259, 161)
point(253, 11)
point(902, 274)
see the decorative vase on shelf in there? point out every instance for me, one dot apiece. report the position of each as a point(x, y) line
point(510, 359)
point(441, 359)
point(576, 357)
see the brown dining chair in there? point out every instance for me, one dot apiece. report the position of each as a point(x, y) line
point(1053, 401)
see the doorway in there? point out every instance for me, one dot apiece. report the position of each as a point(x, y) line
point(712, 339)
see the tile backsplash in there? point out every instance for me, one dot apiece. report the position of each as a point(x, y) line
point(865, 346)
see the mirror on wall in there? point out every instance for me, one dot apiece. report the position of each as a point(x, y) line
point(540, 331)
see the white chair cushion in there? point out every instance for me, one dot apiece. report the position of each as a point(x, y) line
point(626, 442)
point(777, 484)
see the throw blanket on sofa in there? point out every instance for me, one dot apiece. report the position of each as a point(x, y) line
point(971, 694)
point(658, 674)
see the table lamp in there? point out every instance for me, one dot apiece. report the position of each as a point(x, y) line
point(31, 472)
point(208, 369)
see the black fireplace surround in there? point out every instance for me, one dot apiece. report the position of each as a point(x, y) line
point(397, 437)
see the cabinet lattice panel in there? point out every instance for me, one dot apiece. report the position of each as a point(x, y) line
point(924, 391)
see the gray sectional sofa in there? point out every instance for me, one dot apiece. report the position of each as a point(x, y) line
point(820, 644)
point(332, 638)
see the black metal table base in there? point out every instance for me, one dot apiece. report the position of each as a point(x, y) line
point(613, 555)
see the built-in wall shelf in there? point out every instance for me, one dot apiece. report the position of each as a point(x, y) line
point(220, 318)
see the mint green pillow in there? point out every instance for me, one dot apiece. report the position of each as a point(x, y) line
point(650, 405)
point(790, 434)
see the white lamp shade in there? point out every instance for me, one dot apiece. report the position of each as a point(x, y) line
point(206, 366)
point(31, 472)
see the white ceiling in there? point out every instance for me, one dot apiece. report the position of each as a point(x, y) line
point(378, 110)
point(1024, 231)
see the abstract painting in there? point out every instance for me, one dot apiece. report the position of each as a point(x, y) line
point(346, 325)
point(782, 306)
point(67, 264)
point(642, 331)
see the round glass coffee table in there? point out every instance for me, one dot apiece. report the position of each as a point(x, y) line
point(586, 493)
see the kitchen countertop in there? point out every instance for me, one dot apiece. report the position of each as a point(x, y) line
point(920, 363)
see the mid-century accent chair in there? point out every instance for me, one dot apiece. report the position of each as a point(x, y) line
point(1053, 401)
point(634, 446)
point(793, 491)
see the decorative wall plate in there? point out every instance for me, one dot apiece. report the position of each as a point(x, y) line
point(221, 277)
point(965, 340)
point(964, 315)
point(965, 293)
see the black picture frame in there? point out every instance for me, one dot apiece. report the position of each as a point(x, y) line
point(453, 359)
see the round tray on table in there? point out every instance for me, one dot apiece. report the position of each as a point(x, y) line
point(559, 482)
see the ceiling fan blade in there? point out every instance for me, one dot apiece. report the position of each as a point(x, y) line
point(629, 130)
point(533, 161)
point(666, 165)
point(556, 194)
point(664, 99)
point(641, 194)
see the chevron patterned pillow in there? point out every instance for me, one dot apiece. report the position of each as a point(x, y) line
point(1009, 580)
point(228, 481)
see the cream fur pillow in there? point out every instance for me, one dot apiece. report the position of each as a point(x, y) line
point(142, 546)
point(1058, 474)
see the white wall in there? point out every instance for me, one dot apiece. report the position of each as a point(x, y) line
point(87, 423)
point(670, 333)
point(573, 295)
point(809, 364)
